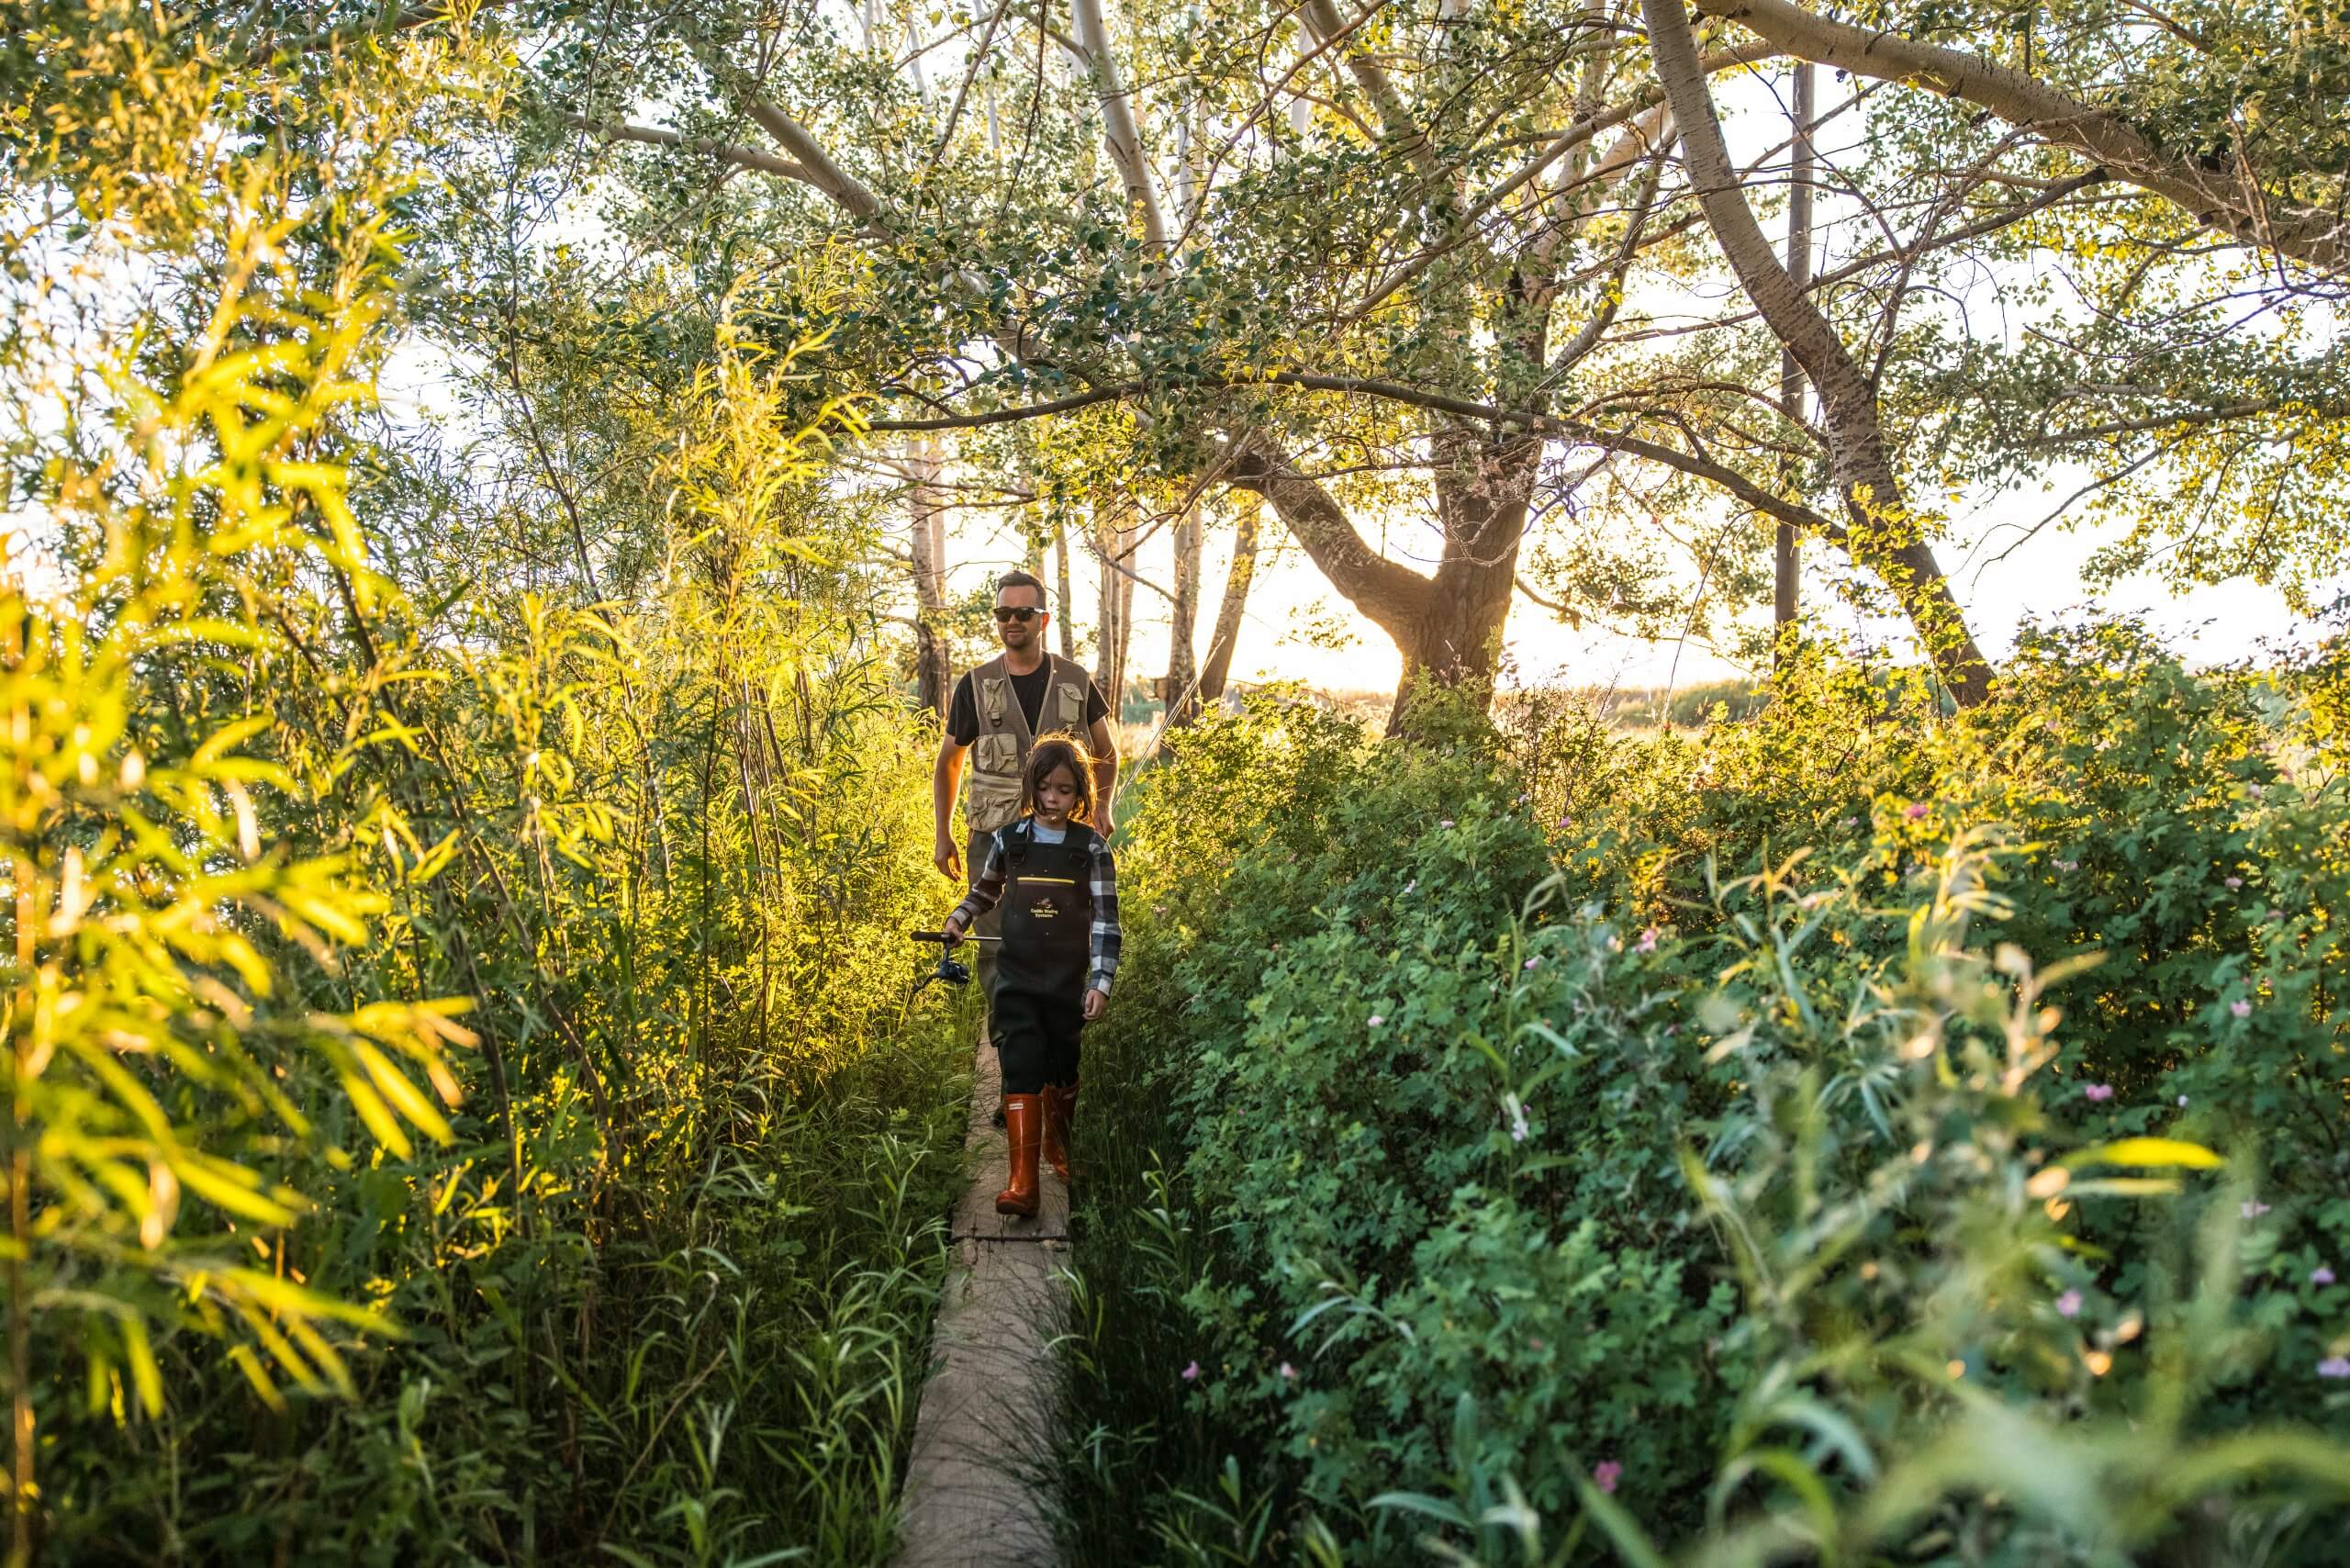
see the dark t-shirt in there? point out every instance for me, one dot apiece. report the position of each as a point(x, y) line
point(1028, 691)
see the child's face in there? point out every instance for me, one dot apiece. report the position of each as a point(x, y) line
point(1056, 795)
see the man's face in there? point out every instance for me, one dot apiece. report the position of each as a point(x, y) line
point(1020, 618)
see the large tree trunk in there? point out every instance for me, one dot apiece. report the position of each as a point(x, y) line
point(1228, 613)
point(934, 669)
point(1182, 699)
point(1448, 628)
point(1884, 535)
point(1455, 644)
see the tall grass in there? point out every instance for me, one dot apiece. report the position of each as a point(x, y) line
point(464, 1106)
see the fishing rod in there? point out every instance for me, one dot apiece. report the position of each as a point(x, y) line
point(949, 939)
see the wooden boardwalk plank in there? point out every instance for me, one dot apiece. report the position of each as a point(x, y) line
point(975, 1217)
point(983, 1432)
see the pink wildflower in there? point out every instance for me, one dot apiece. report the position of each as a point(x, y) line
point(1607, 1472)
point(1916, 811)
point(2241, 1008)
point(2069, 1304)
point(2320, 1276)
point(1376, 1019)
point(1648, 940)
point(2232, 883)
point(1288, 1373)
point(1192, 1374)
point(2253, 1209)
point(2098, 1092)
point(2334, 1366)
point(1535, 962)
point(1445, 822)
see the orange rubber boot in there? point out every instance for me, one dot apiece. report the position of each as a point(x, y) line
point(1060, 1112)
point(1024, 1130)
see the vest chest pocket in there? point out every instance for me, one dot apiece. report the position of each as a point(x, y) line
point(1071, 703)
point(997, 753)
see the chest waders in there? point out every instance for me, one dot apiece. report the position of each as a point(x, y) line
point(1037, 1009)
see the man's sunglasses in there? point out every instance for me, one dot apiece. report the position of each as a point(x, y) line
point(1016, 612)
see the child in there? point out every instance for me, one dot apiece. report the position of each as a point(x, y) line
point(1056, 884)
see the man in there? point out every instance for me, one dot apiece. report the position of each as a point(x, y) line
point(997, 711)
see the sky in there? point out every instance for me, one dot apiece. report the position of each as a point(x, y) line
point(2213, 624)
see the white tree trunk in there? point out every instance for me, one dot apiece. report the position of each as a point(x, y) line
point(1236, 603)
point(933, 666)
point(1785, 561)
point(1182, 700)
point(1119, 133)
point(1063, 601)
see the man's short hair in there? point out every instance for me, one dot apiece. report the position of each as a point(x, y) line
point(1024, 579)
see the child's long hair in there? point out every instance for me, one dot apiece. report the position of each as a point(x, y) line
point(1060, 749)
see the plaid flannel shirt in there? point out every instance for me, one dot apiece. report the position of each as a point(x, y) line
point(987, 891)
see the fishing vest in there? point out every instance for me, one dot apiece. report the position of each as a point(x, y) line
point(1001, 748)
point(1047, 916)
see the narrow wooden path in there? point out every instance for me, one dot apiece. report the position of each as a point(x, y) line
point(981, 1441)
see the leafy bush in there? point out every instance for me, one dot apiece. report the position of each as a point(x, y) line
point(2186, 828)
point(1429, 1203)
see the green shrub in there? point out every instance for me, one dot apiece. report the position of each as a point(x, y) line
point(1779, 1203)
point(2186, 828)
point(1327, 1005)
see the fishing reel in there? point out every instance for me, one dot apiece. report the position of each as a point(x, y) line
point(950, 971)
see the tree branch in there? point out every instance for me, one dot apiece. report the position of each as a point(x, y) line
point(850, 194)
point(1580, 431)
point(1886, 534)
point(2236, 208)
point(1392, 595)
point(725, 151)
point(1567, 141)
point(1395, 115)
